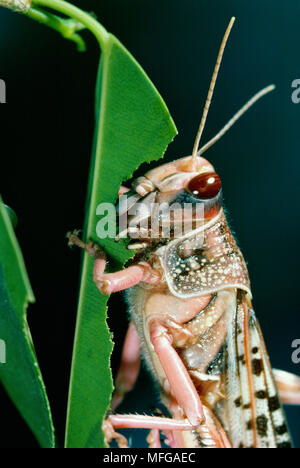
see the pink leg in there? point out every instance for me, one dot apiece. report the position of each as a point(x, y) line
point(288, 386)
point(178, 377)
point(110, 434)
point(129, 368)
point(124, 279)
point(153, 439)
point(108, 283)
point(211, 433)
point(131, 421)
point(216, 430)
point(137, 421)
point(214, 435)
point(170, 440)
point(123, 190)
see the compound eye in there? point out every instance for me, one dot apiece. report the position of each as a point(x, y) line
point(205, 186)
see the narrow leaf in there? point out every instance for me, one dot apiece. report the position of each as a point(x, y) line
point(19, 369)
point(133, 125)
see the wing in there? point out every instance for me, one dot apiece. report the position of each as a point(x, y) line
point(251, 412)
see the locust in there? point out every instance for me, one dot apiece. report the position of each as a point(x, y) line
point(190, 302)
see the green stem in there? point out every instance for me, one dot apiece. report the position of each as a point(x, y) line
point(73, 12)
point(66, 27)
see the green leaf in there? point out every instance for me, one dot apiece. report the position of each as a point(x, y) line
point(12, 216)
point(133, 125)
point(20, 373)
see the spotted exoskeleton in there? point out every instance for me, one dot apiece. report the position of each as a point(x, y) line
point(189, 299)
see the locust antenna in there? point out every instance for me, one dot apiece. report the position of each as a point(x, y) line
point(211, 90)
point(236, 117)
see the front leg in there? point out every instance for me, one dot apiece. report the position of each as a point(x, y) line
point(108, 283)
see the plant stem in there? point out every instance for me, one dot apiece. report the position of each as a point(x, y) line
point(66, 27)
point(73, 12)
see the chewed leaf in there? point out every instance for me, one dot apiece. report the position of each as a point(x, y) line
point(133, 126)
point(19, 370)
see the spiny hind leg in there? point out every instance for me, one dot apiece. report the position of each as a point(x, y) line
point(134, 421)
point(183, 391)
point(215, 430)
point(129, 367)
point(212, 434)
point(288, 386)
point(181, 385)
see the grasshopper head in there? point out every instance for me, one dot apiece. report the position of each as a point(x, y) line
point(184, 181)
point(172, 198)
point(173, 176)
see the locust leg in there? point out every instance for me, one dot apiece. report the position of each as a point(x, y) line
point(110, 434)
point(120, 280)
point(215, 430)
point(132, 421)
point(108, 283)
point(212, 435)
point(123, 190)
point(153, 439)
point(211, 432)
point(288, 387)
point(129, 368)
point(181, 384)
point(112, 282)
point(126, 379)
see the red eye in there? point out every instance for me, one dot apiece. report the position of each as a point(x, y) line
point(205, 186)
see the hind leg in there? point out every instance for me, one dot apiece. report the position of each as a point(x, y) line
point(129, 368)
point(288, 386)
point(211, 432)
point(179, 380)
point(134, 421)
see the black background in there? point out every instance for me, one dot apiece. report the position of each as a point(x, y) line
point(46, 134)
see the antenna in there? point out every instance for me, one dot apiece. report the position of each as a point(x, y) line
point(211, 89)
point(239, 114)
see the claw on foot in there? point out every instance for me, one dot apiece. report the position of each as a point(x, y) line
point(104, 286)
point(91, 248)
point(110, 434)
